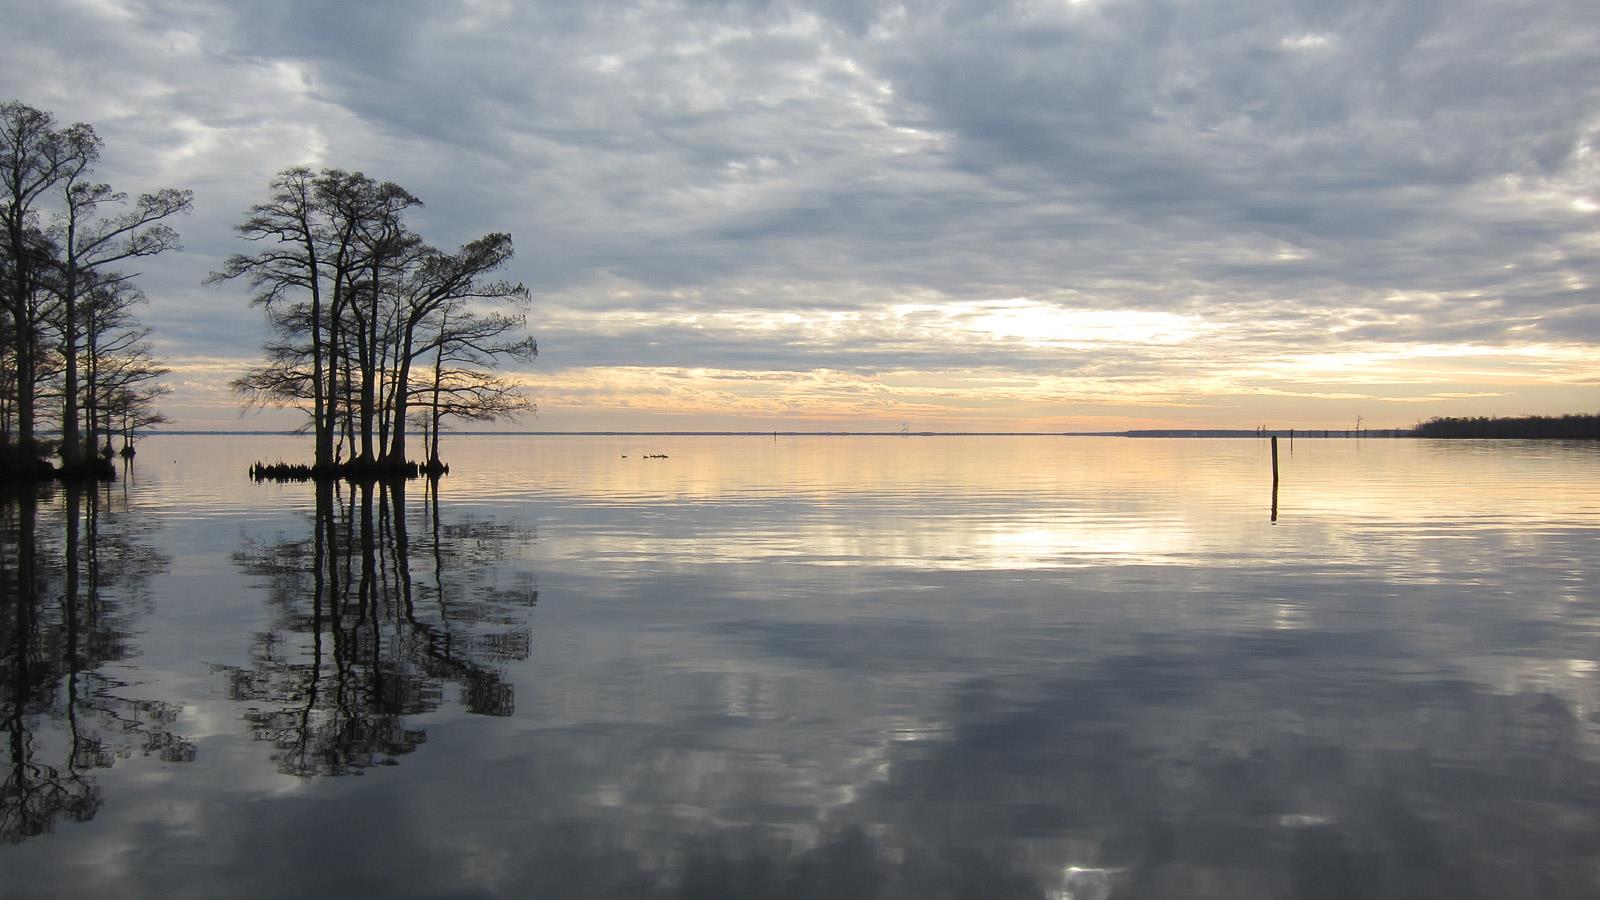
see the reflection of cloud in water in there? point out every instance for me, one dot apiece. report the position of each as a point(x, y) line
point(1045, 682)
point(1220, 769)
point(1182, 743)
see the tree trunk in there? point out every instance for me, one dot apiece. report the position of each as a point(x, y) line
point(438, 369)
point(367, 400)
point(368, 351)
point(402, 394)
point(91, 382)
point(322, 425)
point(27, 344)
point(23, 330)
point(71, 442)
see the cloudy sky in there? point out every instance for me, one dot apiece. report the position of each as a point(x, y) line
point(958, 215)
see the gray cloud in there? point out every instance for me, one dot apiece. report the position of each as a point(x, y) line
point(1423, 170)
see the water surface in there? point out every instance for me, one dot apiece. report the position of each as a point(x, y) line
point(811, 667)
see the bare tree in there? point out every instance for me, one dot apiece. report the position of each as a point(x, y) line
point(466, 347)
point(121, 373)
point(445, 287)
point(293, 235)
point(89, 243)
point(48, 272)
point(355, 300)
point(34, 158)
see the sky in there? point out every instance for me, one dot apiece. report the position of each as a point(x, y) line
point(944, 216)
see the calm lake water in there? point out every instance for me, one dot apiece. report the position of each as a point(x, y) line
point(831, 667)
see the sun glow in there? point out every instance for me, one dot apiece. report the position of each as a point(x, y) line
point(1044, 324)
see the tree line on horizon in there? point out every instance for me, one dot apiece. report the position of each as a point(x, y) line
point(1568, 427)
point(74, 359)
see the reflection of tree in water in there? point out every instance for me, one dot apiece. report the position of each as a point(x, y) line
point(360, 642)
point(67, 580)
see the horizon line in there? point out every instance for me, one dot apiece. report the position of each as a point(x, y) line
point(1153, 432)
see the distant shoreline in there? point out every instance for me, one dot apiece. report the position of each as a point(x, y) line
point(1185, 433)
point(1558, 428)
point(1173, 433)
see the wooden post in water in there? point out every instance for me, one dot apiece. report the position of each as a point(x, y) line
point(1274, 479)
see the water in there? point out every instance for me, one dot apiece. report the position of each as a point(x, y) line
point(812, 667)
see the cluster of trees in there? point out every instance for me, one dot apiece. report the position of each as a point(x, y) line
point(373, 329)
point(1568, 427)
point(73, 358)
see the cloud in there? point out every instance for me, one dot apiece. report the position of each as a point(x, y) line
point(1293, 176)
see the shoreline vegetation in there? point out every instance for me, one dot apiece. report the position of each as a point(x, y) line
point(1547, 428)
point(74, 360)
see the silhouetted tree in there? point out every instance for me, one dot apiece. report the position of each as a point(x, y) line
point(49, 269)
point(288, 277)
point(121, 373)
point(89, 244)
point(35, 156)
point(465, 348)
point(355, 300)
point(438, 316)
